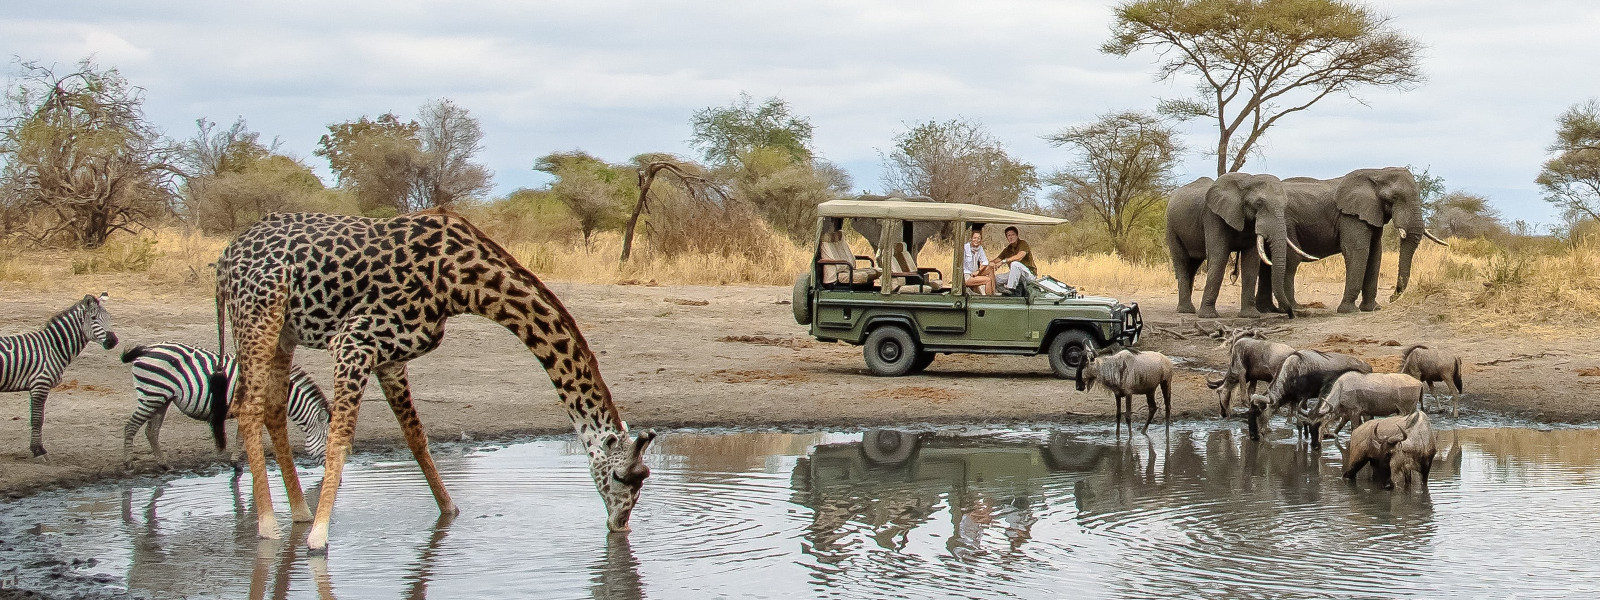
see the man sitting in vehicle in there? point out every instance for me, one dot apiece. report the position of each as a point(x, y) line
point(976, 269)
point(1020, 258)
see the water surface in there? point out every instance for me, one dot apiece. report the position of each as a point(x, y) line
point(1033, 513)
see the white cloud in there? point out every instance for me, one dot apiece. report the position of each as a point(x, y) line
point(621, 78)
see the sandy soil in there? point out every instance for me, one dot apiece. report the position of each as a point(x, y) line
point(728, 356)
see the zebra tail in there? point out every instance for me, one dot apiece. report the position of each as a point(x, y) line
point(133, 354)
point(219, 408)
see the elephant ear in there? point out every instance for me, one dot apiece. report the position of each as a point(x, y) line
point(1357, 196)
point(868, 228)
point(1226, 199)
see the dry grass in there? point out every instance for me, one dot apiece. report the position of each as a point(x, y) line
point(1552, 290)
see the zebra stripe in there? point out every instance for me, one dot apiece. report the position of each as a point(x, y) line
point(34, 361)
point(178, 374)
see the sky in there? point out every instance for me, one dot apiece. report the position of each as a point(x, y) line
point(617, 79)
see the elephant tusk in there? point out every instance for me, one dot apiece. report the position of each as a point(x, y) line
point(1296, 248)
point(1435, 238)
point(1401, 231)
point(1261, 250)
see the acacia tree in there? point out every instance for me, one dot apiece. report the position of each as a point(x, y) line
point(1261, 60)
point(725, 133)
point(1121, 171)
point(1571, 180)
point(80, 160)
point(232, 179)
point(450, 136)
point(959, 161)
point(376, 159)
point(594, 191)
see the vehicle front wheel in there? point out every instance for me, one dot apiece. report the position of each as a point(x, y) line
point(1068, 351)
point(887, 446)
point(890, 351)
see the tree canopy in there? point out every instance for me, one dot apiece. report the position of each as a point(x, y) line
point(80, 159)
point(596, 192)
point(1258, 61)
point(959, 161)
point(1571, 180)
point(1121, 170)
point(396, 166)
point(724, 134)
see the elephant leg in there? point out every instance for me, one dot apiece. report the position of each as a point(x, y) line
point(1355, 242)
point(1216, 269)
point(1184, 268)
point(1369, 280)
point(1249, 269)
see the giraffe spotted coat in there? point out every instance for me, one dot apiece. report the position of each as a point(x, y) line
point(375, 293)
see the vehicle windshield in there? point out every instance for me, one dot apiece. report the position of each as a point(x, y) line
point(1051, 286)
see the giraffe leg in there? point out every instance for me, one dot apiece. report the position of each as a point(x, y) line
point(353, 356)
point(276, 417)
point(397, 389)
point(256, 334)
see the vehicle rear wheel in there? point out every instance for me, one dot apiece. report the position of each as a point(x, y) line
point(802, 299)
point(890, 351)
point(887, 446)
point(1070, 349)
point(924, 358)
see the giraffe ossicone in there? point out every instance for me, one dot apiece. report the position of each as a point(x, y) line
point(375, 293)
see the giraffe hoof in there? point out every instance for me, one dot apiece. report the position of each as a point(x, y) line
point(317, 541)
point(303, 515)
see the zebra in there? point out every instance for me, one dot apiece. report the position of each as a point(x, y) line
point(33, 361)
point(167, 374)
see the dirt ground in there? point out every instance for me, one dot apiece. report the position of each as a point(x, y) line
point(678, 356)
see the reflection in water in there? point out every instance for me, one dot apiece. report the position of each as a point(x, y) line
point(1197, 510)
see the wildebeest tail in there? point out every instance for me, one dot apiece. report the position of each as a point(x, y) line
point(1456, 376)
point(133, 354)
point(219, 384)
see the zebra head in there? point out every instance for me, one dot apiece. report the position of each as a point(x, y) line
point(95, 321)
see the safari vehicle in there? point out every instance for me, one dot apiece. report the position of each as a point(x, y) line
point(904, 314)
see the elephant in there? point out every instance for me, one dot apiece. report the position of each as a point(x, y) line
point(1346, 216)
point(1127, 373)
point(1251, 359)
point(1403, 444)
point(1304, 375)
point(921, 231)
point(1430, 365)
point(1355, 396)
point(1207, 220)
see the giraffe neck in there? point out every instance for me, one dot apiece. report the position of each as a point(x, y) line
point(516, 299)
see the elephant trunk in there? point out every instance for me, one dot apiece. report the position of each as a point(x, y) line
point(1280, 284)
point(1408, 250)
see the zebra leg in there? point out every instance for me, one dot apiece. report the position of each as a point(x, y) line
point(354, 355)
point(397, 389)
point(152, 432)
point(141, 415)
point(275, 416)
point(36, 397)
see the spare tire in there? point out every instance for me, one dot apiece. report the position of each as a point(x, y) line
point(802, 299)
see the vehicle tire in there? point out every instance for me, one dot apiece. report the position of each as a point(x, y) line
point(1068, 350)
point(924, 358)
point(888, 447)
point(890, 351)
point(802, 299)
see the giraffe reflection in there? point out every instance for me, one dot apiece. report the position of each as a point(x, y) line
point(992, 488)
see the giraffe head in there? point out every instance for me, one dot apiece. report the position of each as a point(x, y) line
point(618, 468)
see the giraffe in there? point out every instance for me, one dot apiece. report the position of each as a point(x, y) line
point(375, 293)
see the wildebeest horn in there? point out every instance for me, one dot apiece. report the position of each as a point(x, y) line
point(1296, 248)
point(1214, 384)
point(1261, 250)
point(1435, 238)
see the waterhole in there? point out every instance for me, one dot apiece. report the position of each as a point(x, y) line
point(1194, 511)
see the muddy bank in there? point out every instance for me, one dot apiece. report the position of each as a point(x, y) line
point(678, 356)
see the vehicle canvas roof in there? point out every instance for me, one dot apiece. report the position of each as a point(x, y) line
point(929, 211)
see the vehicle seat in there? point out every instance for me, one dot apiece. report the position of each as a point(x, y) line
point(910, 279)
point(840, 266)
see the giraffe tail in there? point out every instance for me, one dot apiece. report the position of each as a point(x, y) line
point(218, 380)
point(219, 408)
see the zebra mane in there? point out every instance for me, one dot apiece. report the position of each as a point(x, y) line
point(77, 307)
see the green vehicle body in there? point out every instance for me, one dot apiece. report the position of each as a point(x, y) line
point(955, 320)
